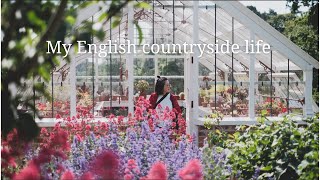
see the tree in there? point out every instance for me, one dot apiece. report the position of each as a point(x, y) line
point(26, 26)
point(306, 34)
point(300, 28)
point(312, 14)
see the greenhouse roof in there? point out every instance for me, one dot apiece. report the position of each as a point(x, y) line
point(244, 22)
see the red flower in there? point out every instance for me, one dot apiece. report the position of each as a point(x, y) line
point(191, 171)
point(158, 171)
point(30, 172)
point(68, 175)
point(106, 165)
point(283, 110)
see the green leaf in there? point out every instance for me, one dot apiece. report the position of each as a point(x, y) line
point(143, 5)
point(218, 131)
point(140, 32)
point(86, 4)
point(71, 20)
point(115, 23)
point(44, 73)
point(267, 168)
point(34, 19)
point(274, 143)
point(103, 16)
point(303, 165)
point(230, 136)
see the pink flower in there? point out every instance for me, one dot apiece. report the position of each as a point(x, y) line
point(68, 175)
point(58, 116)
point(128, 177)
point(158, 171)
point(60, 168)
point(104, 126)
point(88, 127)
point(87, 176)
point(66, 112)
point(106, 165)
point(120, 119)
point(7, 159)
point(30, 172)
point(44, 131)
point(132, 162)
point(192, 170)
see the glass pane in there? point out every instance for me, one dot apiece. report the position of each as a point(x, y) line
point(61, 99)
point(143, 67)
point(171, 67)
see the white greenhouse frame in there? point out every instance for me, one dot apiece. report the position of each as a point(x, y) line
point(247, 25)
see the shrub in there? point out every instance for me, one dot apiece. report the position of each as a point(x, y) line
point(276, 150)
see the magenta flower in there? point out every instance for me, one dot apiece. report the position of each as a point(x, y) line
point(192, 170)
point(68, 175)
point(30, 172)
point(158, 171)
point(106, 165)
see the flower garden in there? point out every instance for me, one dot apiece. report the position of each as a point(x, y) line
point(70, 115)
point(134, 147)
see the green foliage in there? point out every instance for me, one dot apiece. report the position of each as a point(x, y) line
point(315, 95)
point(143, 67)
point(215, 166)
point(171, 67)
point(303, 35)
point(280, 149)
point(312, 14)
point(217, 137)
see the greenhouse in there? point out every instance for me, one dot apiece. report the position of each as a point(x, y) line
point(222, 60)
point(239, 85)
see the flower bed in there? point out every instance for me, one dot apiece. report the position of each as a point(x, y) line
point(138, 148)
point(135, 149)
